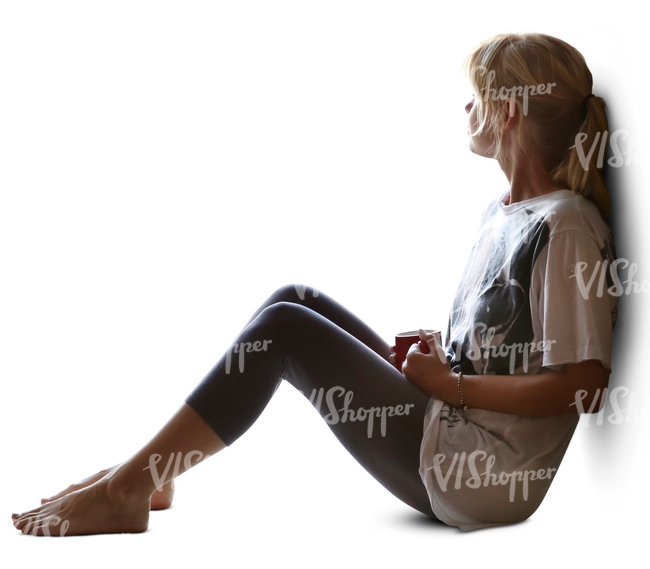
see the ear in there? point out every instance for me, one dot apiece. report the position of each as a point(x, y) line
point(510, 114)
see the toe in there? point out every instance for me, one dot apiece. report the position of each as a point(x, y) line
point(21, 522)
point(32, 512)
point(31, 527)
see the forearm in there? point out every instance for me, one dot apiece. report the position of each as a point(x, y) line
point(535, 395)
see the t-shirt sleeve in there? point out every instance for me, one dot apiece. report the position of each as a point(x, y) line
point(574, 311)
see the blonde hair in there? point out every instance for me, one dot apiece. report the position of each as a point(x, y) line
point(548, 80)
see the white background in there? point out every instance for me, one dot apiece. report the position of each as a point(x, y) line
point(165, 166)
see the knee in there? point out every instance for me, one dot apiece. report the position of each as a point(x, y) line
point(284, 314)
point(294, 293)
point(289, 318)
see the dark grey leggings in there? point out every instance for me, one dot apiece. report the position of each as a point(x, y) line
point(341, 365)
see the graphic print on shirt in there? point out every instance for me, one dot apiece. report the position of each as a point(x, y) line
point(493, 306)
point(450, 414)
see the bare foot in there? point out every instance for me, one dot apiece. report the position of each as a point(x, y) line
point(98, 508)
point(160, 500)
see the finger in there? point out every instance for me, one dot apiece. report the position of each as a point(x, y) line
point(429, 336)
point(413, 348)
point(432, 345)
point(430, 339)
point(436, 348)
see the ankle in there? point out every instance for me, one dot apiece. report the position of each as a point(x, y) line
point(125, 487)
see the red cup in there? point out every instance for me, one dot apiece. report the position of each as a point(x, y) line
point(404, 340)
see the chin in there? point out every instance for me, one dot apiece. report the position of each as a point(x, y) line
point(477, 151)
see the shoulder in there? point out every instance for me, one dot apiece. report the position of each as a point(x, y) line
point(568, 211)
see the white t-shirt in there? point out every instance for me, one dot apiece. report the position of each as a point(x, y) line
point(525, 304)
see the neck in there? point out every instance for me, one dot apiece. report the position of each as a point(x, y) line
point(527, 178)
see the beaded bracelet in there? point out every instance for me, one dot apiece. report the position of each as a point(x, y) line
point(460, 391)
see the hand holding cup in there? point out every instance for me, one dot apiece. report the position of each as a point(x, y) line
point(404, 340)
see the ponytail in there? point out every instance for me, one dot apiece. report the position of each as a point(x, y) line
point(581, 170)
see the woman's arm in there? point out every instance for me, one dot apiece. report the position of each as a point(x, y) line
point(534, 395)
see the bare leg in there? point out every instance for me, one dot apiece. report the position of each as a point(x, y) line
point(119, 502)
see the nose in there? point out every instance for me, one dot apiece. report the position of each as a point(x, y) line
point(468, 106)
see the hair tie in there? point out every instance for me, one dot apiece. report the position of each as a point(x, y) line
point(586, 99)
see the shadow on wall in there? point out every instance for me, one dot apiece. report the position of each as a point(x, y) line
point(611, 434)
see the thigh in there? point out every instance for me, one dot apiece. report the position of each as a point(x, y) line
point(369, 406)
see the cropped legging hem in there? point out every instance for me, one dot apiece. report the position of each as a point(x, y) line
point(304, 337)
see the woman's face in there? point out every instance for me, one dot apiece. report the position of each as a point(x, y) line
point(481, 144)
